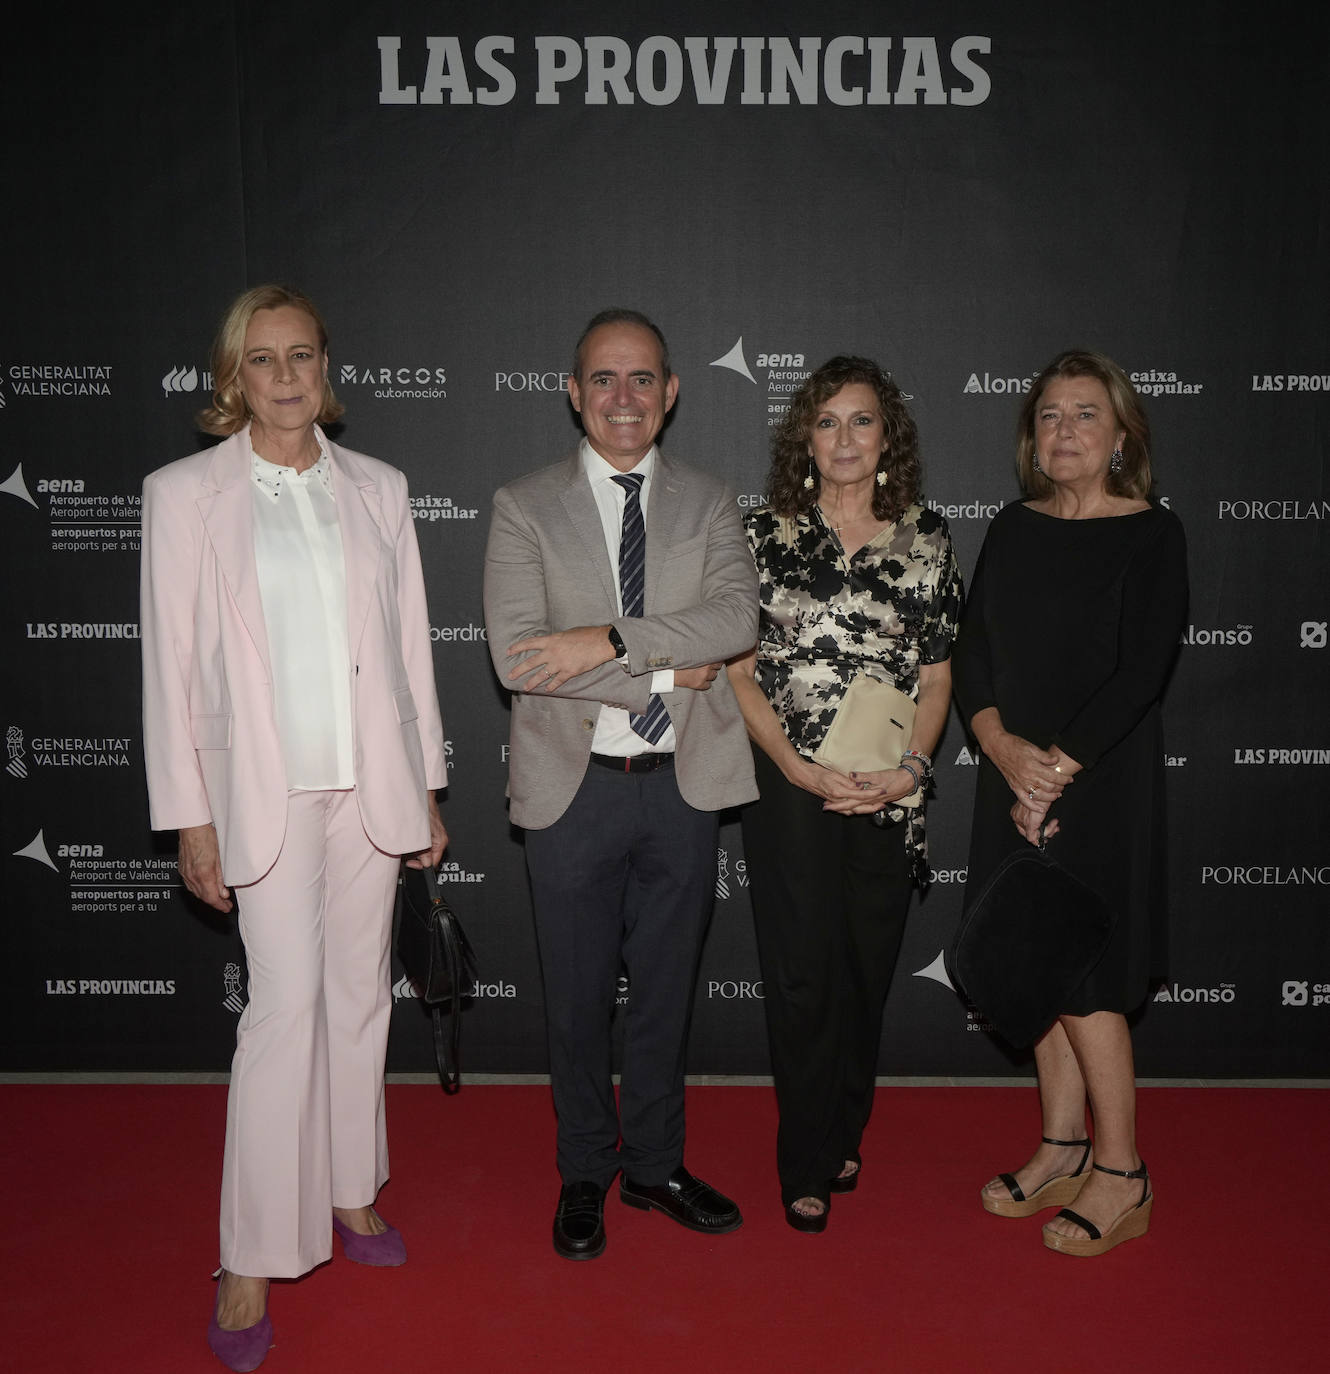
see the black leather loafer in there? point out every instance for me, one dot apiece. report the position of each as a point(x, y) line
point(579, 1221)
point(687, 1200)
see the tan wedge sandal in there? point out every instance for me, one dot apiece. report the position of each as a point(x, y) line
point(1054, 1192)
point(1132, 1223)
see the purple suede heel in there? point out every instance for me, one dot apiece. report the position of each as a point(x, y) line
point(241, 1350)
point(385, 1251)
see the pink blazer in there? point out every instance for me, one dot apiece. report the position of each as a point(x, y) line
point(209, 728)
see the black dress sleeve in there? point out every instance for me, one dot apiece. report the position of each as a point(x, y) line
point(1154, 611)
point(971, 659)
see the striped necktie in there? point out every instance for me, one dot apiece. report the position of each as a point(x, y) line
point(632, 587)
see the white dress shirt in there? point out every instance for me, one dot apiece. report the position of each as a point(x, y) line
point(302, 583)
point(613, 734)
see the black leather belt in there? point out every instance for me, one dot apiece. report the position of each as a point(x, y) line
point(634, 763)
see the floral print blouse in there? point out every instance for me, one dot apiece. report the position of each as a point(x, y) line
point(826, 619)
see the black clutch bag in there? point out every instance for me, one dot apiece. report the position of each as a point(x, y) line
point(1027, 942)
point(437, 957)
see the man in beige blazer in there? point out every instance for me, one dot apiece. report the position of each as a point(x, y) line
point(624, 746)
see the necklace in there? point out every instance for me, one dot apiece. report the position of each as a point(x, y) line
point(854, 520)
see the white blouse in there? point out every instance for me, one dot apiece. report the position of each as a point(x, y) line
point(302, 582)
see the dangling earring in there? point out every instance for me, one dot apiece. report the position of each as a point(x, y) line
point(1115, 462)
point(1034, 458)
point(809, 484)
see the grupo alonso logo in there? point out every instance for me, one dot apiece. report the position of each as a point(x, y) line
point(1175, 992)
point(1209, 636)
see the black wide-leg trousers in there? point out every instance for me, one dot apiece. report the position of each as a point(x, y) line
point(830, 895)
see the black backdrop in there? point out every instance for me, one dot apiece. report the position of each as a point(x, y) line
point(958, 190)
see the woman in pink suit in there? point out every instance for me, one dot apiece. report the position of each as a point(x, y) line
point(292, 737)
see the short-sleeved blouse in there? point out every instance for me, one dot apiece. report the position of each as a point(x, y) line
point(825, 620)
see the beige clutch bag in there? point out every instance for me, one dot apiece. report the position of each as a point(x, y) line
point(871, 731)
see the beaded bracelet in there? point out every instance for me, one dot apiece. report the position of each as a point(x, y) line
point(924, 761)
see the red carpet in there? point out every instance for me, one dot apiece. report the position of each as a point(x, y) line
point(114, 1233)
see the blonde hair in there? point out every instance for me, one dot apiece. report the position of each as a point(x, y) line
point(228, 413)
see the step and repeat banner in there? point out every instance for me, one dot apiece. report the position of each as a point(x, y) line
point(959, 191)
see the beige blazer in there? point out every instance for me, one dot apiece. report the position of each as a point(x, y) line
point(547, 569)
point(209, 728)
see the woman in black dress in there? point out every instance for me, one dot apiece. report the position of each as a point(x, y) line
point(1078, 601)
point(856, 578)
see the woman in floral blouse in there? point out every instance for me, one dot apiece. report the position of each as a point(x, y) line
point(857, 578)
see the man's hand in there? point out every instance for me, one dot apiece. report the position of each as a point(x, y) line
point(200, 865)
point(555, 658)
point(697, 679)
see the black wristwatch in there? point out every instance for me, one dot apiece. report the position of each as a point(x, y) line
point(619, 647)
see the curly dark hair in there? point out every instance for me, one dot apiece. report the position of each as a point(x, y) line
point(790, 462)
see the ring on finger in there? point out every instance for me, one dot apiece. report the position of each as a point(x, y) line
point(1030, 794)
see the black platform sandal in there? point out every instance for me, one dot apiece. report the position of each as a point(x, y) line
point(847, 1183)
point(1053, 1192)
point(1132, 1223)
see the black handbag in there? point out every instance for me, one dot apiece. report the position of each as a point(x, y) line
point(437, 957)
point(1027, 942)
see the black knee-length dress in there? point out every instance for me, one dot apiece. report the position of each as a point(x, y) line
point(1070, 631)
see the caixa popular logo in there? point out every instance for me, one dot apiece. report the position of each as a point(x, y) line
point(429, 509)
point(1161, 382)
point(454, 873)
point(1301, 992)
point(1176, 993)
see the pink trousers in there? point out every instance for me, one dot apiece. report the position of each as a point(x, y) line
point(305, 1127)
